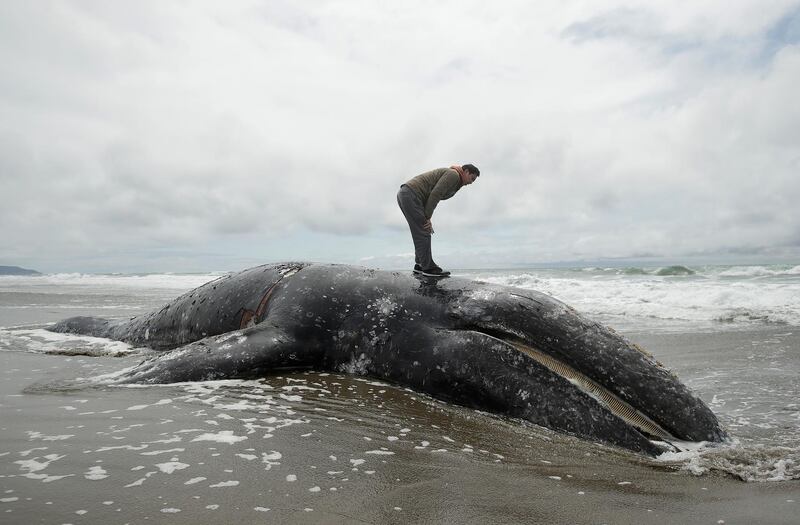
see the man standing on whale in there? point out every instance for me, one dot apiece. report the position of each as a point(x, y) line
point(418, 198)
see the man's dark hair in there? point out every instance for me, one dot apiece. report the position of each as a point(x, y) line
point(472, 169)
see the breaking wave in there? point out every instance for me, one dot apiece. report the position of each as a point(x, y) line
point(40, 341)
point(675, 270)
point(675, 297)
point(751, 463)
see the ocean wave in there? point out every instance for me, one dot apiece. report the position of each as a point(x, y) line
point(633, 271)
point(681, 270)
point(138, 281)
point(650, 301)
point(674, 270)
point(40, 341)
point(751, 463)
point(72, 307)
point(745, 315)
point(760, 271)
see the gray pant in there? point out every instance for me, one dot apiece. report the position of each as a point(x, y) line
point(415, 216)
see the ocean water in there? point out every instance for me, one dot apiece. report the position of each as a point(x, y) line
point(731, 333)
point(672, 298)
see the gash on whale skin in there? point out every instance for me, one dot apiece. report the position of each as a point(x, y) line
point(499, 349)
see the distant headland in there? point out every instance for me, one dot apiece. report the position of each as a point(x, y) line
point(16, 270)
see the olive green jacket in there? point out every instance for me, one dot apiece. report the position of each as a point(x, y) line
point(434, 186)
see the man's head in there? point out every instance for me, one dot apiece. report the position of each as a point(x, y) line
point(472, 173)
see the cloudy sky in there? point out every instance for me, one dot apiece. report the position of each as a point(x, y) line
point(194, 136)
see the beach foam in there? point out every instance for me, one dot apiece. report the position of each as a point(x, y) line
point(39, 340)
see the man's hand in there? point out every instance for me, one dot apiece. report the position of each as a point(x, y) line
point(428, 226)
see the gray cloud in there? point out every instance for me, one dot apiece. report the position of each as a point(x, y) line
point(194, 136)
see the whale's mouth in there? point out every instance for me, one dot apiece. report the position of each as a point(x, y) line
point(605, 397)
point(602, 395)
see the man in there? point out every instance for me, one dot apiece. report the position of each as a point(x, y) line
point(418, 198)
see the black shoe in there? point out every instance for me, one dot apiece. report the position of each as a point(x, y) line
point(435, 272)
point(417, 268)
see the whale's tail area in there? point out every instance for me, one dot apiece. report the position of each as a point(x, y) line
point(94, 326)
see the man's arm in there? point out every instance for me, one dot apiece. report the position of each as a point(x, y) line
point(446, 184)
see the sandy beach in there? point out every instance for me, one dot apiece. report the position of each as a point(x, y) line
point(319, 448)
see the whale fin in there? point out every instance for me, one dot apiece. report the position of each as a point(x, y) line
point(92, 326)
point(249, 353)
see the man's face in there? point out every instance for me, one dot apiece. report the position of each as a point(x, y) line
point(470, 177)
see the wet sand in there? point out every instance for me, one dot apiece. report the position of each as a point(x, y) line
point(317, 448)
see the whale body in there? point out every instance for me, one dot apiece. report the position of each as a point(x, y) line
point(499, 349)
